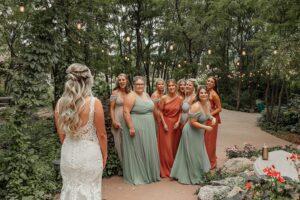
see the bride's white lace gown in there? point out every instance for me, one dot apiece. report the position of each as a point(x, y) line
point(81, 163)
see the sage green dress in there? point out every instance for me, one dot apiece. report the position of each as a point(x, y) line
point(140, 153)
point(191, 160)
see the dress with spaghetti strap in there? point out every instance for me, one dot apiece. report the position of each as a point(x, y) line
point(117, 133)
point(140, 158)
point(211, 138)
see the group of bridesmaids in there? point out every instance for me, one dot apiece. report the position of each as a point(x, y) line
point(170, 134)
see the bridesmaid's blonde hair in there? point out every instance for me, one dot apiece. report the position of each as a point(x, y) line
point(78, 86)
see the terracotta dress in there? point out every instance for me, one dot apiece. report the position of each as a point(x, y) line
point(168, 141)
point(211, 138)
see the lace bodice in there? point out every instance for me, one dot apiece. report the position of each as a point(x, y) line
point(88, 132)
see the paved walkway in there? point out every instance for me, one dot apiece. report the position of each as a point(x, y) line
point(236, 128)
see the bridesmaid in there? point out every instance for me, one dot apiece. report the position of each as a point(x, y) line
point(215, 109)
point(191, 160)
point(140, 153)
point(156, 96)
point(181, 88)
point(116, 110)
point(169, 131)
point(190, 96)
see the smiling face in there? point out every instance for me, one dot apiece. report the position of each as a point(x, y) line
point(210, 83)
point(189, 87)
point(139, 86)
point(160, 86)
point(122, 81)
point(203, 95)
point(182, 87)
point(172, 87)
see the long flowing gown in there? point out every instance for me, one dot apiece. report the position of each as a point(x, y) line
point(185, 110)
point(211, 138)
point(191, 160)
point(117, 133)
point(168, 141)
point(140, 158)
point(81, 163)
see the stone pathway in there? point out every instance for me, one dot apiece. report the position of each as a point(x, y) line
point(237, 128)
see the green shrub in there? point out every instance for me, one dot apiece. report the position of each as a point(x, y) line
point(26, 154)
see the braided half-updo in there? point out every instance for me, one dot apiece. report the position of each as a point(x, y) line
point(78, 86)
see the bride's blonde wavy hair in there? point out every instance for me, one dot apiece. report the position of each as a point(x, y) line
point(78, 86)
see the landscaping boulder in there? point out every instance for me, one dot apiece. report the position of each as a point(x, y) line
point(279, 160)
point(237, 165)
point(230, 182)
point(210, 192)
point(235, 193)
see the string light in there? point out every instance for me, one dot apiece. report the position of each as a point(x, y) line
point(275, 51)
point(171, 47)
point(128, 39)
point(207, 66)
point(243, 52)
point(209, 51)
point(22, 7)
point(179, 65)
point(79, 25)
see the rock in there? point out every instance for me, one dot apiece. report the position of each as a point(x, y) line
point(246, 173)
point(253, 158)
point(254, 179)
point(279, 159)
point(237, 165)
point(230, 182)
point(235, 193)
point(210, 192)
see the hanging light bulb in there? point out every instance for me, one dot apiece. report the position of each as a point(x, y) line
point(128, 39)
point(275, 51)
point(244, 52)
point(207, 66)
point(209, 51)
point(179, 65)
point(171, 47)
point(79, 25)
point(22, 7)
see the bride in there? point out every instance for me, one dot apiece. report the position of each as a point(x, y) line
point(80, 125)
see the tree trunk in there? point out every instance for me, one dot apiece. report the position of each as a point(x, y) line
point(279, 105)
point(238, 95)
point(138, 38)
point(267, 100)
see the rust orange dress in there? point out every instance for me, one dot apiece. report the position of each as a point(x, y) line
point(168, 141)
point(211, 137)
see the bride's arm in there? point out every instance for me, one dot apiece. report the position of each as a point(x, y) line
point(60, 133)
point(101, 131)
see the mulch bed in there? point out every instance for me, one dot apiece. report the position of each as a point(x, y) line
point(290, 137)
